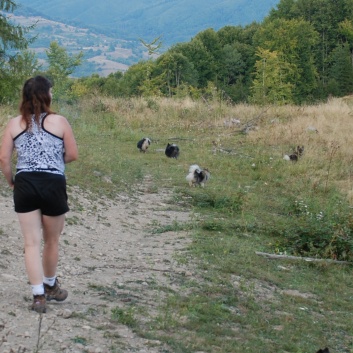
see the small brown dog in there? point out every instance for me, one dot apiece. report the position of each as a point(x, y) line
point(295, 155)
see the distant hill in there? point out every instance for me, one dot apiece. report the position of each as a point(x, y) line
point(108, 32)
point(102, 54)
point(174, 20)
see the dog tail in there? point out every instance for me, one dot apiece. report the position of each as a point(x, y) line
point(193, 168)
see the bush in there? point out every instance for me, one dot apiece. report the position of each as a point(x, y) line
point(319, 234)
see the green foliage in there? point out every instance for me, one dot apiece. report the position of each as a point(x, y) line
point(327, 18)
point(174, 227)
point(107, 293)
point(271, 84)
point(16, 64)
point(124, 317)
point(213, 199)
point(133, 80)
point(176, 70)
point(80, 340)
point(293, 40)
point(341, 71)
point(201, 59)
point(61, 66)
point(316, 231)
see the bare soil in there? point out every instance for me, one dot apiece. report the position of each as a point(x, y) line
point(110, 259)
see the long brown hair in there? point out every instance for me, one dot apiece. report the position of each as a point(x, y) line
point(36, 99)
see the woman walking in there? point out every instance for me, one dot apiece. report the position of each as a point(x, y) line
point(44, 143)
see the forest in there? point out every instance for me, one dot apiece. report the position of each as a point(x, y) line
point(302, 52)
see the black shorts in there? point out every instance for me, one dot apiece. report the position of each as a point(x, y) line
point(40, 190)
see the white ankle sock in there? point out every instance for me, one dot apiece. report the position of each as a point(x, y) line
point(37, 289)
point(49, 280)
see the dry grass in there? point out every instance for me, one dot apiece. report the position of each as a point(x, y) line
point(332, 121)
point(324, 129)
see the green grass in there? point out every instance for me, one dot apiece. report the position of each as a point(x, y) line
point(236, 301)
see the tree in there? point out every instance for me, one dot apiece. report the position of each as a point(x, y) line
point(231, 65)
point(133, 79)
point(294, 40)
point(12, 42)
point(346, 30)
point(341, 71)
point(271, 84)
point(177, 71)
point(149, 85)
point(12, 36)
point(61, 66)
point(14, 72)
point(202, 60)
point(326, 17)
point(237, 62)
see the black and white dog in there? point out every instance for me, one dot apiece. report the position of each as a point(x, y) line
point(197, 175)
point(143, 144)
point(298, 152)
point(172, 151)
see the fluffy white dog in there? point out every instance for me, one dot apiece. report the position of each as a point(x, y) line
point(198, 176)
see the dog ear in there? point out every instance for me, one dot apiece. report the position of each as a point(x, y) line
point(325, 350)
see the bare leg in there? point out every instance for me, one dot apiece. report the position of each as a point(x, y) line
point(31, 227)
point(52, 228)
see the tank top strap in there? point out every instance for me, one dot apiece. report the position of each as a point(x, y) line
point(42, 118)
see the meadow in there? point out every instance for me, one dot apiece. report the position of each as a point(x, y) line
point(256, 201)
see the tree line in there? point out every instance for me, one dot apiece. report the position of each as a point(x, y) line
point(300, 53)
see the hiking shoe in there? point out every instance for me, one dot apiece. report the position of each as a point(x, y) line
point(39, 304)
point(55, 292)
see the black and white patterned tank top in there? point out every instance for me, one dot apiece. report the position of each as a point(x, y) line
point(39, 150)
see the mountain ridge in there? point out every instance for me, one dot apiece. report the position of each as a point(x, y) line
point(113, 29)
point(175, 21)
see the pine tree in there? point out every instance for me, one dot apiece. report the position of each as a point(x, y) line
point(15, 63)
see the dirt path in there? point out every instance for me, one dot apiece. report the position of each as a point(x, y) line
point(109, 260)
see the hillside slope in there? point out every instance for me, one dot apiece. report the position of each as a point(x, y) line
point(175, 21)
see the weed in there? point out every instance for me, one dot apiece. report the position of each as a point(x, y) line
point(80, 340)
point(125, 317)
point(174, 227)
point(105, 291)
point(72, 220)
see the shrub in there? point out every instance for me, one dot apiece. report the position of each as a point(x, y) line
point(315, 233)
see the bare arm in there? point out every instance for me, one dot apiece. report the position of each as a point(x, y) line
point(71, 150)
point(6, 150)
